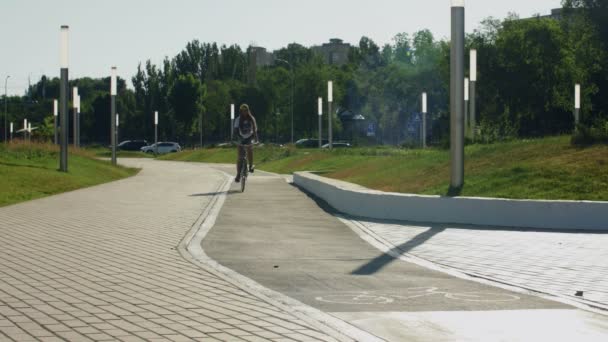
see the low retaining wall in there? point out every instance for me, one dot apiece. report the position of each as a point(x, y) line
point(359, 201)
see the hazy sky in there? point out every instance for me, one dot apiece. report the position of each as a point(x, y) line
point(123, 33)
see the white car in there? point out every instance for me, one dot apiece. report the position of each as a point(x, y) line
point(163, 147)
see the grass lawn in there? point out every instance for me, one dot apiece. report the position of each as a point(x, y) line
point(548, 168)
point(29, 171)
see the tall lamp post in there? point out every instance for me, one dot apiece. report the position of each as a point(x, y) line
point(75, 110)
point(467, 117)
point(473, 74)
point(77, 122)
point(320, 114)
point(330, 100)
point(113, 112)
point(11, 132)
point(117, 125)
point(156, 133)
point(24, 130)
point(457, 97)
point(292, 91)
point(55, 113)
point(63, 100)
point(5, 107)
point(424, 111)
point(577, 105)
point(231, 121)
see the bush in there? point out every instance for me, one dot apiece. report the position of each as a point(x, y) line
point(586, 135)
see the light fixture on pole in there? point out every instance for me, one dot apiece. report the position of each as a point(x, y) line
point(24, 130)
point(457, 97)
point(231, 121)
point(577, 105)
point(424, 111)
point(473, 103)
point(320, 114)
point(11, 132)
point(117, 125)
point(467, 118)
point(155, 132)
point(63, 100)
point(55, 113)
point(75, 111)
point(77, 122)
point(113, 112)
point(330, 100)
point(5, 107)
point(29, 132)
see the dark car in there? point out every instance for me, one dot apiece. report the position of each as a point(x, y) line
point(338, 145)
point(131, 145)
point(310, 143)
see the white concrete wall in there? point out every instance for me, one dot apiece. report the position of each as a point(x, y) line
point(359, 201)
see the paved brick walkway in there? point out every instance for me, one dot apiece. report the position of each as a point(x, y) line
point(102, 264)
point(553, 262)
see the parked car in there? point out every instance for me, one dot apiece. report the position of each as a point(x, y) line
point(310, 143)
point(131, 145)
point(337, 145)
point(163, 147)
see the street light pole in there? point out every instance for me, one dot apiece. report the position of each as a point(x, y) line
point(467, 117)
point(457, 97)
point(423, 133)
point(117, 126)
point(75, 119)
point(231, 122)
point(292, 91)
point(473, 72)
point(5, 107)
point(577, 105)
point(156, 133)
point(63, 100)
point(113, 112)
point(320, 114)
point(330, 100)
point(55, 113)
point(11, 132)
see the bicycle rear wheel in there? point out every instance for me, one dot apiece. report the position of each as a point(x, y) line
point(243, 176)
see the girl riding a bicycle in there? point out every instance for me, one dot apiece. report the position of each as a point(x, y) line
point(246, 129)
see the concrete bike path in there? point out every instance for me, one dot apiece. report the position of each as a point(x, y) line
point(279, 237)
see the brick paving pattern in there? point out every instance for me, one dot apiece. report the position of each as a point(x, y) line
point(555, 262)
point(102, 264)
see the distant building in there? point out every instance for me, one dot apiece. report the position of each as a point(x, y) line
point(335, 52)
point(262, 56)
point(556, 14)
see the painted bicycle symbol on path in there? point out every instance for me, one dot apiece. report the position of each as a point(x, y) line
point(379, 298)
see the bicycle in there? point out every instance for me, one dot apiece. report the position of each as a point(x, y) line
point(244, 165)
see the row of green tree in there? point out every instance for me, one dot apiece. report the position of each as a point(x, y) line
point(527, 71)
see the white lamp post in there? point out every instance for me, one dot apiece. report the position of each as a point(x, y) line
point(113, 112)
point(117, 125)
point(457, 97)
point(55, 113)
point(330, 100)
point(577, 104)
point(63, 99)
point(231, 121)
point(24, 129)
point(473, 103)
point(320, 114)
point(156, 132)
point(77, 121)
point(74, 110)
point(11, 131)
point(467, 119)
point(424, 111)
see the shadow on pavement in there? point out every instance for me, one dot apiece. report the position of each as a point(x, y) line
point(229, 192)
point(384, 259)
